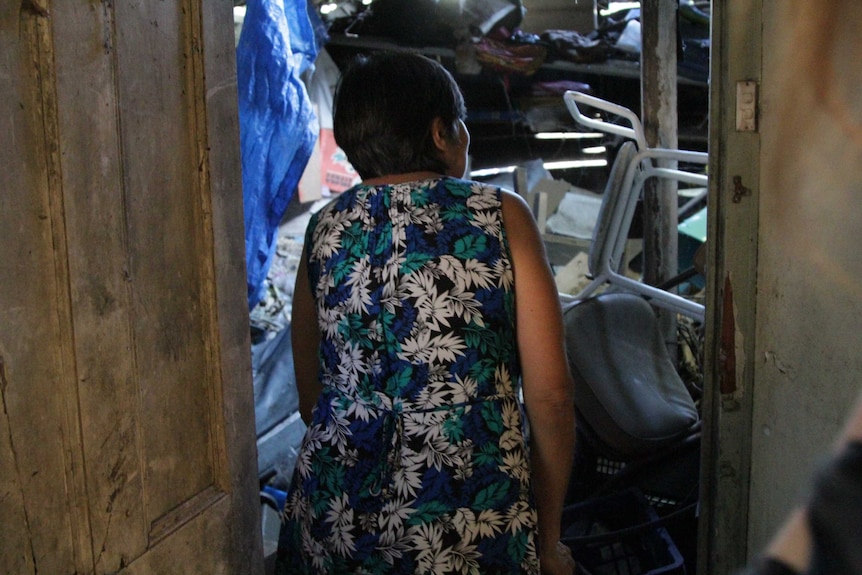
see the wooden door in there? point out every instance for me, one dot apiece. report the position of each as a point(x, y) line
point(127, 438)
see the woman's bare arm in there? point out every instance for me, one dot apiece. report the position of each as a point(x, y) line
point(305, 341)
point(548, 385)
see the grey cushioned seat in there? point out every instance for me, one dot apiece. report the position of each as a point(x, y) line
point(626, 388)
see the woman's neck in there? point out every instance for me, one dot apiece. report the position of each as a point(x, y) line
point(391, 179)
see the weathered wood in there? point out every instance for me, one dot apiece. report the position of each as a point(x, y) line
point(736, 54)
point(169, 257)
point(660, 120)
point(100, 291)
point(218, 149)
point(127, 422)
point(41, 526)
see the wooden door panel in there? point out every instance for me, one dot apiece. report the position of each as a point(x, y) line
point(127, 431)
point(39, 443)
point(107, 385)
point(170, 255)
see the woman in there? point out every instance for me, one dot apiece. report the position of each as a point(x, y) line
point(422, 302)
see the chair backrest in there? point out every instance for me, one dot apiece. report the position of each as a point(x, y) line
point(636, 132)
point(635, 163)
point(603, 236)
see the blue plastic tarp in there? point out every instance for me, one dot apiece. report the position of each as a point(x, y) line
point(278, 127)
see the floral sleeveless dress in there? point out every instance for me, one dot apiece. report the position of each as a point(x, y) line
point(415, 461)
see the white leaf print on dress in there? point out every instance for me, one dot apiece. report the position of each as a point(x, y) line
point(359, 279)
point(432, 557)
point(340, 515)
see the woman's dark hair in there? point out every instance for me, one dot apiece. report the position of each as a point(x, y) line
point(383, 110)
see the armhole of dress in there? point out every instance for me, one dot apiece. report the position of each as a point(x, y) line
point(504, 236)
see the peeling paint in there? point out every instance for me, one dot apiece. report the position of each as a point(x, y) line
point(727, 342)
point(39, 7)
point(731, 353)
point(770, 357)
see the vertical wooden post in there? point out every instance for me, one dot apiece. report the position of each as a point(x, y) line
point(743, 46)
point(660, 120)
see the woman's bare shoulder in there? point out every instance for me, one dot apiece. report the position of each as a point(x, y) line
point(513, 202)
point(520, 225)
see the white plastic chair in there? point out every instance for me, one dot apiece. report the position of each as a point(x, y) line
point(634, 165)
point(633, 407)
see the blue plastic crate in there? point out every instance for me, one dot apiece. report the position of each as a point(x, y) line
point(620, 534)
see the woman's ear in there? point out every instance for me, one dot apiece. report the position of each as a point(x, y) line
point(442, 134)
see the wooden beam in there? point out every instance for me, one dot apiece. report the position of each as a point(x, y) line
point(659, 116)
point(660, 119)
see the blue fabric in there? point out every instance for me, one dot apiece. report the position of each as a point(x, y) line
point(414, 460)
point(278, 127)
